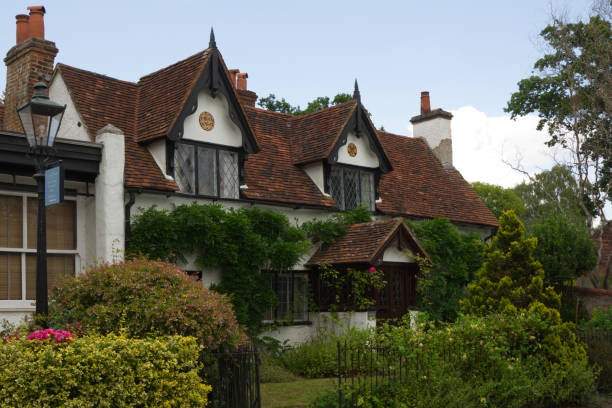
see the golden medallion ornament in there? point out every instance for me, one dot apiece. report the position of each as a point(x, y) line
point(352, 149)
point(207, 122)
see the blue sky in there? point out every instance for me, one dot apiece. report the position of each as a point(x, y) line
point(468, 54)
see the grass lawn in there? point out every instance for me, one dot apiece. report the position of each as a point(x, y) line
point(296, 394)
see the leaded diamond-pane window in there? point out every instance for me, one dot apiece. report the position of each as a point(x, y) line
point(207, 171)
point(291, 290)
point(351, 187)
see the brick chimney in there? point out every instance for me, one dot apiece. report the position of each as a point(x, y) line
point(239, 82)
point(32, 55)
point(433, 126)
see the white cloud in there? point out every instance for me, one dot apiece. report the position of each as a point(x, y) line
point(482, 144)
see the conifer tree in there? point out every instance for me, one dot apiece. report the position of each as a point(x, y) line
point(510, 278)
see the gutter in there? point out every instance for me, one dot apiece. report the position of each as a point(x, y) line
point(128, 210)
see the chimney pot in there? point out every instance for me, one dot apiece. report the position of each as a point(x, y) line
point(233, 73)
point(425, 105)
point(23, 27)
point(242, 80)
point(37, 22)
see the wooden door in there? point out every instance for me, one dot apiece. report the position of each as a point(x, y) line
point(399, 295)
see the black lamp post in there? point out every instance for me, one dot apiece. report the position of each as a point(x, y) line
point(41, 119)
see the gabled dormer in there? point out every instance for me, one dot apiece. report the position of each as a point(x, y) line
point(339, 149)
point(204, 146)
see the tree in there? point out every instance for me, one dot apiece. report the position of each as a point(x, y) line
point(272, 104)
point(571, 92)
point(455, 258)
point(553, 190)
point(510, 278)
point(498, 199)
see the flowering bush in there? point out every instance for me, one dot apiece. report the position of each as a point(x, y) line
point(351, 288)
point(56, 336)
point(102, 371)
point(143, 297)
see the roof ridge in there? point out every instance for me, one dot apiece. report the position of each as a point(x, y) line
point(61, 65)
point(352, 101)
point(151, 74)
point(274, 113)
point(359, 224)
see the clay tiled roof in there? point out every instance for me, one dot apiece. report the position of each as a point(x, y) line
point(270, 174)
point(317, 133)
point(606, 250)
point(163, 95)
point(419, 186)
point(101, 100)
point(363, 243)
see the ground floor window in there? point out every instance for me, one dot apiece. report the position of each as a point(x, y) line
point(292, 294)
point(18, 226)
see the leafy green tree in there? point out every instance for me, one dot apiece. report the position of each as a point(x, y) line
point(571, 92)
point(272, 104)
point(455, 258)
point(510, 278)
point(553, 190)
point(498, 199)
point(564, 250)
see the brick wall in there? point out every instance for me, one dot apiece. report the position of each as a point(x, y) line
point(593, 298)
point(23, 64)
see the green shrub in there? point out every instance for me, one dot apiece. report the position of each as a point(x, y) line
point(102, 371)
point(145, 297)
point(318, 357)
point(600, 320)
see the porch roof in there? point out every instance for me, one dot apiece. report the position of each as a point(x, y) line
point(365, 243)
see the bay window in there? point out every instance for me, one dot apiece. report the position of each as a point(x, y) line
point(18, 224)
point(206, 170)
point(351, 187)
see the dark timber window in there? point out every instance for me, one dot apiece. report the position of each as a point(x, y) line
point(350, 187)
point(206, 170)
point(291, 290)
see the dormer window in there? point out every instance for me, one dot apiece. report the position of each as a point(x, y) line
point(207, 170)
point(352, 186)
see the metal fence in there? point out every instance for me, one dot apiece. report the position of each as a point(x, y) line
point(234, 377)
point(363, 369)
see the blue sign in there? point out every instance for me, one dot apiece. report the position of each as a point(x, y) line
point(54, 186)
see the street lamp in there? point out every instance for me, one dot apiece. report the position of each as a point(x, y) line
point(41, 119)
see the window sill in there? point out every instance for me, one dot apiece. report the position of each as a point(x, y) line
point(17, 305)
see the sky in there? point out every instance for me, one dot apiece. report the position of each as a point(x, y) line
point(468, 54)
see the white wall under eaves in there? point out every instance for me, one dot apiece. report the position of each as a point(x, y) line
point(69, 128)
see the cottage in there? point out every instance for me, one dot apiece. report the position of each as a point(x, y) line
point(191, 132)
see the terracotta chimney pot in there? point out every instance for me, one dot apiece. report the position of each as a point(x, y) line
point(242, 80)
point(233, 73)
point(23, 27)
point(37, 22)
point(425, 105)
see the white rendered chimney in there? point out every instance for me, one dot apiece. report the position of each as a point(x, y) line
point(433, 126)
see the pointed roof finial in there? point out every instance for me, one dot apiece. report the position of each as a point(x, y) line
point(356, 94)
point(212, 43)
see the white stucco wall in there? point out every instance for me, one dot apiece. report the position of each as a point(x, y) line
point(158, 151)
point(315, 172)
point(336, 323)
point(69, 128)
point(365, 156)
point(225, 132)
point(393, 254)
point(110, 213)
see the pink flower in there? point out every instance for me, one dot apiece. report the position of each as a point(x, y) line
point(56, 336)
point(372, 269)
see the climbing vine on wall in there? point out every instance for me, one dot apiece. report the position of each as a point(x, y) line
point(240, 242)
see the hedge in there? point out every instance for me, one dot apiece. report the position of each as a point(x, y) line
point(101, 371)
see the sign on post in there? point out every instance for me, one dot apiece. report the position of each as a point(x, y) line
point(54, 185)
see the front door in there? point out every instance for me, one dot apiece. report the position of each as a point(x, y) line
point(399, 295)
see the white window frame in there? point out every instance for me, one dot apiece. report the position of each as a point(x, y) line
point(29, 304)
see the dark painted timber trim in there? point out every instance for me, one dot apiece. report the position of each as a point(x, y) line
point(81, 161)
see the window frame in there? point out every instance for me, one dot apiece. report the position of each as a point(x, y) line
point(24, 303)
point(171, 166)
point(327, 170)
point(274, 280)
